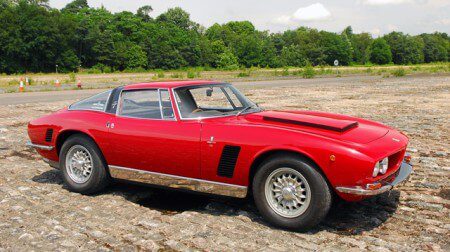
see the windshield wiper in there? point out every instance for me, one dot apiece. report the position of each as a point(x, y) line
point(245, 109)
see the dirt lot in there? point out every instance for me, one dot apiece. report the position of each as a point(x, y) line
point(38, 213)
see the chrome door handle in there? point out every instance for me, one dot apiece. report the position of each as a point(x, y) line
point(211, 141)
point(110, 125)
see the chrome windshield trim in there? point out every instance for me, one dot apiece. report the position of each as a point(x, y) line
point(174, 181)
point(39, 146)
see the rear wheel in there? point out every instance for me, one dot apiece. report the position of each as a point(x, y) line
point(290, 193)
point(82, 165)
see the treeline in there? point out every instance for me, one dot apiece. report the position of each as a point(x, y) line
point(35, 37)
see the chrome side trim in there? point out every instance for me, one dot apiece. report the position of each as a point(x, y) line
point(38, 146)
point(404, 172)
point(180, 182)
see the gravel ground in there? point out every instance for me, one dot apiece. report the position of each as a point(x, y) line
point(38, 213)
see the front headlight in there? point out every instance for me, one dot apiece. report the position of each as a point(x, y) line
point(381, 167)
point(384, 165)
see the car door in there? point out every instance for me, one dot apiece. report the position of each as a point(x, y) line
point(225, 151)
point(145, 135)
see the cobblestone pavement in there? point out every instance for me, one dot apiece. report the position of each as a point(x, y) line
point(38, 213)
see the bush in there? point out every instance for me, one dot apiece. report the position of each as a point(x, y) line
point(285, 72)
point(160, 74)
point(246, 73)
point(176, 75)
point(399, 72)
point(94, 71)
point(228, 61)
point(72, 77)
point(190, 75)
point(309, 72)
point(13, 83)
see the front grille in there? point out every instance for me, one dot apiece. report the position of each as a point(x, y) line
point(395, 160)
point(49, 135)
point(228, 161)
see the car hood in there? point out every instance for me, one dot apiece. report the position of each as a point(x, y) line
point(340, 127)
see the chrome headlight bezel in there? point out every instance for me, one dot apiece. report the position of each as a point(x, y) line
point(384, 165)
point(380, 167)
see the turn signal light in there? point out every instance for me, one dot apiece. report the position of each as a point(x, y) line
point(374, 186)
point(407, 158)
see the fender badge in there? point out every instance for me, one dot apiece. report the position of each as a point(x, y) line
point(395, 139)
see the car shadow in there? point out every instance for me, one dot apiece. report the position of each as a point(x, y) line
point(344, 218)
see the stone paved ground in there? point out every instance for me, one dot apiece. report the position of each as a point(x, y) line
point(38, 213)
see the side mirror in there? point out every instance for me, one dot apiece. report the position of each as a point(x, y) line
point(209, 92)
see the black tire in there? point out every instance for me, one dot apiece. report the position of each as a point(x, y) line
point(99, 177)
point(319, 203)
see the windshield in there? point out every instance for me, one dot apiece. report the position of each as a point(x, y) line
point(212, 101)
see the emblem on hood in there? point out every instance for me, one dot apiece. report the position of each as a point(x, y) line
point(395, 140)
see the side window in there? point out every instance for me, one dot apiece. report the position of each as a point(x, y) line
point(140, 104)
point(166, 105)
point(111, 107)
point(96, 102)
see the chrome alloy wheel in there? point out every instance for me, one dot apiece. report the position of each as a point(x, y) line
point(79, 164)
point(287, 192)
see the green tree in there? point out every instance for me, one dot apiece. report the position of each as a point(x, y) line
point(227, 60)
point(293, 55)
point(380, 52)
point(435, 47)
point(35, 37)
point(144, 12)
point(361, 43)
point(335, 48)
point(178, 17)
point(405, 48)
point(75, 6)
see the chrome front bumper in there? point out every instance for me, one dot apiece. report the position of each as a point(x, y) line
point(403, 174)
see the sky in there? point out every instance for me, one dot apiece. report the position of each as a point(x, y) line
point(377, 17)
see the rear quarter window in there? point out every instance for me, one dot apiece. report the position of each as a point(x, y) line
point(95, 103)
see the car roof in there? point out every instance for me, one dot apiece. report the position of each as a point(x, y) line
point(169, 84)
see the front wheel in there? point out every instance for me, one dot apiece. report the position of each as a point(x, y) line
point(290, 193)
point(82, 165)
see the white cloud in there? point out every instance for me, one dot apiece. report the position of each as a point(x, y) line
point(375, 32)
point(386, 2)
point(313, 12)
point(391, 27)
point(445, 21)
point(284, 20)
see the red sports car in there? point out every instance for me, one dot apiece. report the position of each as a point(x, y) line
point(206, 136)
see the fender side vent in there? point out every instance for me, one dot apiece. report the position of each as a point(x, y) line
point(228, 161)
point(49, 135)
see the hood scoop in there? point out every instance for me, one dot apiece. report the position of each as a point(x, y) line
point(320, 122)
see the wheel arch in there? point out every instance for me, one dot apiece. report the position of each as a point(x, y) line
point(264, 155)
point(65, 134)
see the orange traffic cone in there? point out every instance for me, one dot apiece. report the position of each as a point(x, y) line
point(27, 81)
point(79, 84)
point(57, 83)
point(21, 88)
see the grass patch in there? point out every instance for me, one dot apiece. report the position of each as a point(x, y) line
point(309, 72)
point(399, 72)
